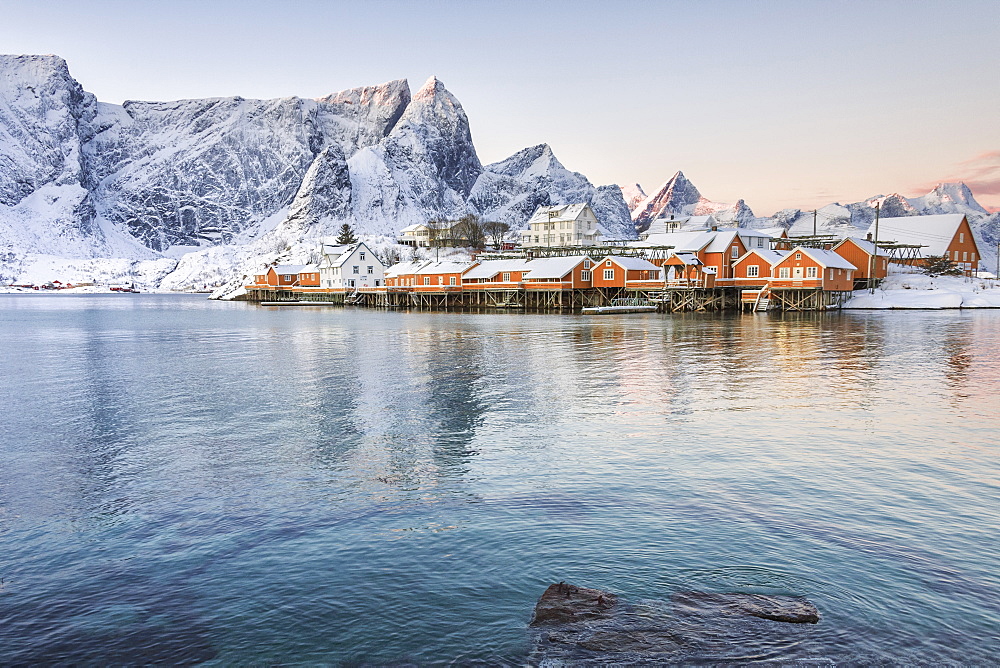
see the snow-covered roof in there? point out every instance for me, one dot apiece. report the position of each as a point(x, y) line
point(560, 212)
point(772, 257)
point(309, 269)
point(288, 268)
point(774, 232)
point(332, 249)
point(404, 268)
point(865, 245)
point(490, 268)
point(686, 258)
point(681, 241)
point(721, 242)
point(824, 258)
point(552, 267)
point(749, 232)
point(444, 267)
point(703, 221)
point(934, 232)
point(632, 263)
point(411, 228)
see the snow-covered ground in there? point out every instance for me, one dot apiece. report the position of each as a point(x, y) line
point(919, 291)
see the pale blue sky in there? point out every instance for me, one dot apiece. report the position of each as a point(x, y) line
point(781, 103)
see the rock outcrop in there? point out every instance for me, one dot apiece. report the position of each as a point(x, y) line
point(583, 626)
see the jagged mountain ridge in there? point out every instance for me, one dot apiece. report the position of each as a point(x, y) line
point(82, 178)
point(679, 197)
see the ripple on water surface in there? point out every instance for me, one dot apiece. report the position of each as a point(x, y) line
point(189, 481)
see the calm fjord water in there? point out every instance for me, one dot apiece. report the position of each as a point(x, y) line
point(184, 480)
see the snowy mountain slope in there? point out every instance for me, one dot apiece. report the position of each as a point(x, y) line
point(677, 196)
point(424, 169)
point(633, 194)
point(509, 191)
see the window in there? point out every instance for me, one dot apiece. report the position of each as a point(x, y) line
point(427, 280)
point(734, 252)
point(608, 263)
point(287, 277)
point(440, 280)
point(586, 275)
point(361, 256)
point(376, 282)
point(784, 272)
point(965, 256)
point(371, 269)
point(760, 242)
point(609, 274)
point(972, 256)
point(350, 284)
point(451, 280)
point(586, 263)
point(753, 271)
point(357, 269)
point(831, 274)
point(798, 256)
point(961, 237)
point(811, 272)
point(848, 274)
point(506, 277)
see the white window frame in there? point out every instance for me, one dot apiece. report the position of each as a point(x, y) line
point(609, 274)
point(811, 272)
point(506, 277)
point(734, 252)
point(753, 271)
point(784, 272)
point(586, 275)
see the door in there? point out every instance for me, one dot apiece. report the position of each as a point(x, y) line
point(797, 273)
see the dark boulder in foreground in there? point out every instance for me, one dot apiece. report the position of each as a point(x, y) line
point(583, 626)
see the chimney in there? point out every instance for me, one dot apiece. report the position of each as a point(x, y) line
point(868, 236)
point(715, 228)
point(671, 216)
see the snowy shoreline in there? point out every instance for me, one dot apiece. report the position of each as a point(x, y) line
point(922, 292)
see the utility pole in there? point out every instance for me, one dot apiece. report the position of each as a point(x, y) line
point(997, 275)
point(874, 260)
point(814, 222)
point(548, 236)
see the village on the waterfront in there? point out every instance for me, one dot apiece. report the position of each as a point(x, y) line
point(561, 262)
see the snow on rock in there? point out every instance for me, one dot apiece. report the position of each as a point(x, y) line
point(919, 291)
point(677, 196)
point(424, 169)
point(633, 195)
point(509, 191)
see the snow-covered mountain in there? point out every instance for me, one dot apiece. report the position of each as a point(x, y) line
point(679, 197)
point(510, 190)
point(145, 181)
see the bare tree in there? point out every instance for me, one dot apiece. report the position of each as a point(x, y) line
point(496, 231)
point(470, 229)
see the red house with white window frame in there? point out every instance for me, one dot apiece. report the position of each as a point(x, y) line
point(813, 268)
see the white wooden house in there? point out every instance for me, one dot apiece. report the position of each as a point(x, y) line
point(562, 225)
point(350, 267)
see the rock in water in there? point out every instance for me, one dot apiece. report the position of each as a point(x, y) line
point(581, 626)
point(776, 608)
point(564, 603)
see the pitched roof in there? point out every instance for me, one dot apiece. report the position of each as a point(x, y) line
point(686, 258)
point(288, 268)
point(824, 258)
point(490, 268)
point(934, 232)
point(553, 267)
point(772, 257)
point(560, 212)
point(632, 263)
point(721, 242)
point(863, 244)
point(681, 241)
point(404, 268)
point(444, 267)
